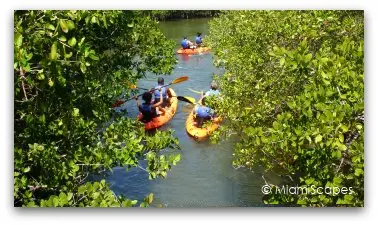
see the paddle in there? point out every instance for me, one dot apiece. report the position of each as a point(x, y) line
point(175, 81)
point(187, 99)
point(198, 92)
point(135, 87)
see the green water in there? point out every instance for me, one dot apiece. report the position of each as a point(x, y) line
point(204, 177)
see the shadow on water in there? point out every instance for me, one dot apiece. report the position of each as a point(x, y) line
point(204, 177)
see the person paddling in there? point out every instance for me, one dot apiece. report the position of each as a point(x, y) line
point(213, 90)
point(161, 91)
point(202, 112)
point(198, 39)
point(186, 44)
point(148, 109)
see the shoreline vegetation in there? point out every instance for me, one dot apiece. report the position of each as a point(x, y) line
point(165, 15)
point(293, 92)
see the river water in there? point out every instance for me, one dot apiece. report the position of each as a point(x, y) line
point(204, 177)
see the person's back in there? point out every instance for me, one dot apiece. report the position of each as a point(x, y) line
point(184, 43)
point(157, 92)
point(213, 90)
point(147, 112)
point(198, 39)
point(202, 112)
point(163, 91)
point(146, 108)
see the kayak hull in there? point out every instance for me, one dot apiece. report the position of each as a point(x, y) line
point(164, 118)
point(201, 133)
point(192, 51)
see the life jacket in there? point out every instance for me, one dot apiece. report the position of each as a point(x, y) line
point(184, 43)
point(157, 93)
point(198, 40)
point(147, 112)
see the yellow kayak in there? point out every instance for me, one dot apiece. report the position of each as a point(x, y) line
point(205, 131)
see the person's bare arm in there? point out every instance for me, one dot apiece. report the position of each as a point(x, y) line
point(138, 103)
point(201, 97)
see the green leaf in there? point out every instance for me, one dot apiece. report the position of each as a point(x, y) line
point(63, 25)
point(75, 112)
point(336, 154)
point(81, 190)
point(83, 68)
point(53, 55)
point(341, 138)
point(81, 42)
point(27, 169)
point(301, 202)
point(55, 201)
point(69, 196)
point(344, 128)
point(358, 172)
point(63, 197)
point(264, 139)
point(51, 83)
point(308, 57)
point(348, 198)
point(337, 180)
point(309, 181)
point(150, 197)
point(18, 40)
point(282, 61)
point(50, 26)
point(72, 42)
point(62, 38)
point(94, 57)
point(67, 56)
point(342, 147)
point(318, 138)
point(94, 19)
point(70, 24)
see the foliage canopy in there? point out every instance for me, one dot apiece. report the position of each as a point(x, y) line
point(294, 93)
point(69, 67)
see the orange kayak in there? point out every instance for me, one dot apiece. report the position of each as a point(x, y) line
point(164, 118)
point(205, 131)
point(193, 50)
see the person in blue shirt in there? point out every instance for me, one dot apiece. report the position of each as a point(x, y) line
point(202, 112)
point(213, 90)
point(186, 44)
point(198, 39)
point(159, 89)
point(148, 109)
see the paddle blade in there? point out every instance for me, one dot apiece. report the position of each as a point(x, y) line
point(180, 79)
point(198, 92)
point(118, 103)
point(187, 99)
